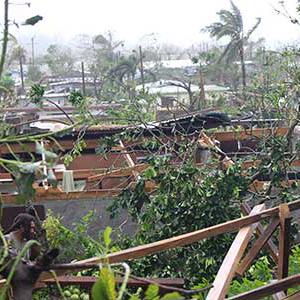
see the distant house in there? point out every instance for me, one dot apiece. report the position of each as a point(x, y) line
point(170, 64)
point(250, 65)
point(169, 94)
point(60, 99)
point(188, 67)
point(73, 83)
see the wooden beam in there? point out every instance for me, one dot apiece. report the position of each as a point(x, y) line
point(227, 270)
point(88, 281)
point(269, 289)
point(93, 174)
point(270, 246)
point(57, 195)
point(249, 133)
point(80, 173)
point(119, 172)
point(129, 160)
point(258, 245)
point(284, 240)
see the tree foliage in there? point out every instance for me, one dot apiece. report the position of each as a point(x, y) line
point(187, 199)
point(60, 60)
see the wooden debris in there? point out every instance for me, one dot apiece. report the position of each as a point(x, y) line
point(227, 270)
point(270, 246)
point(258, 245)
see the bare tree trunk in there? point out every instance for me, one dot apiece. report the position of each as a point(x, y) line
point(83, 78)
point(5, 37)
point(142, 68)
point(202, 91)
point(96, 91)
point(22, 73)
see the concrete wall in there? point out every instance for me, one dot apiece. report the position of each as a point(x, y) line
point(73, 210)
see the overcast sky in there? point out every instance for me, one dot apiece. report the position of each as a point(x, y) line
point(171, 21)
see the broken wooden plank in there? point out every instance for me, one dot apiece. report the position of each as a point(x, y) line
point(129, 159)
point(258, 245)
point(227, 270)
point(284, 240)
point(270, 246)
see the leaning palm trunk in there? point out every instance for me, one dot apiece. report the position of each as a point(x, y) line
point(243, 67)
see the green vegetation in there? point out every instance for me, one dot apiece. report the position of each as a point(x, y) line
point(183, 202)
point(186, 197)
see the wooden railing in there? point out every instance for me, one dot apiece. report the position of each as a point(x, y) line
point(232, 264)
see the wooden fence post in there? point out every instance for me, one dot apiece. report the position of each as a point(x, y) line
point(284, 240)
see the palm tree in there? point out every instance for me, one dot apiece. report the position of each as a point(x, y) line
point(231, 25)
point(18, 53)
point(124, 73)
point(125, 69)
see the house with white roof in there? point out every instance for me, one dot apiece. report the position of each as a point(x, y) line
point(171, 94)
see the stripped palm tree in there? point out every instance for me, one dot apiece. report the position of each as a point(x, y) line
point(125, 69)
point(231, 25)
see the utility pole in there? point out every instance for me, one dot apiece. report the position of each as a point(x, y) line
point(202, 91)
point(83, 78)
point(142, 68)
point(32, 51)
